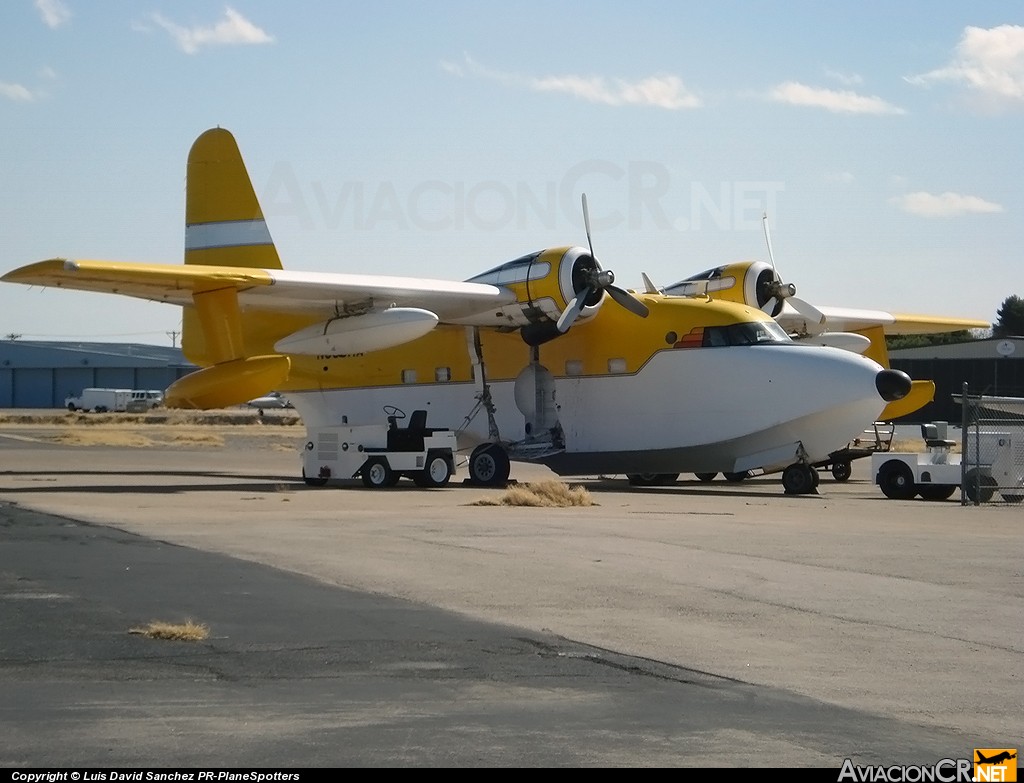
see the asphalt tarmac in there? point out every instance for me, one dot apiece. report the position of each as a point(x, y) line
point(698, 625)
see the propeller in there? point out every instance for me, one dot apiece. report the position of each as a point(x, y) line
point(773, 294)
point(589, 280)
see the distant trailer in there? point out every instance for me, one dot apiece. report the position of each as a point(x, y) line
point(100, 400)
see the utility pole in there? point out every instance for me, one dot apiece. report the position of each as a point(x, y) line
point(174, 338)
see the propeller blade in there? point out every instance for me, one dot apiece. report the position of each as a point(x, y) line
point(586, 223)
point(768, 240)
point(572, 311)
point(815, 318)
point(628, 301)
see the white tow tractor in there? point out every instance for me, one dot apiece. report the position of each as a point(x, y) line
point(937, 473)
point(381, 454)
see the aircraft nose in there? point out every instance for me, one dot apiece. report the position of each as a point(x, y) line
point(892, 384)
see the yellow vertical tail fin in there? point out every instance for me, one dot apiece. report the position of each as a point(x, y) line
point(224, 226)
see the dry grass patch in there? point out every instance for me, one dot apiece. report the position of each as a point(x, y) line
point(187, 631)
point(125, 439)
point(545, 494)
point(196, 439)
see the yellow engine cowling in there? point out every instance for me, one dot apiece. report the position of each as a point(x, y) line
point(745, 282)
point(545, 283)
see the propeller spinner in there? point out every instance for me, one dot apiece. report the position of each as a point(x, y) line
point(589, 280)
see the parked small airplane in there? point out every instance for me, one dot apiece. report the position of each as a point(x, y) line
point(526, 361)
point(271, 400)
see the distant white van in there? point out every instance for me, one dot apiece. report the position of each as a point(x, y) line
point(145, 400)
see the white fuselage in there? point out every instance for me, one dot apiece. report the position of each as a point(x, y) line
point(714, 409)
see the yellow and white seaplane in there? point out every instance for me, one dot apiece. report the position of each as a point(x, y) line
point(540, 359)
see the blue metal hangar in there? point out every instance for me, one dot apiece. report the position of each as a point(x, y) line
point(36, 374)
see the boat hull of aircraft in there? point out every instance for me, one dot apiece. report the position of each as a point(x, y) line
point(675, 413)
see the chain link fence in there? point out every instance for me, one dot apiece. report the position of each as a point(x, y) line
point(992, 449)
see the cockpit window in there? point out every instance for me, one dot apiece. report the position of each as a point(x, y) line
point(753, 333)
point(708, 274)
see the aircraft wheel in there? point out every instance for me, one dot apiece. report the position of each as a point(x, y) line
point(841, 470)
point(936, 491)
point(651, 479)
point(980, 489)
point(798, 479)
point(896, 480)
point(313, 481)
point(706, 476)
point(737, 476)
point(377, 473)
point(489, 465)
point(436, 473)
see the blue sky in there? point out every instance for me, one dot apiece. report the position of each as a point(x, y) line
point(440, 139)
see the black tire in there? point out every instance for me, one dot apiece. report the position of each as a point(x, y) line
point(313, 481)
point(651, 479)
point(980, 489)
point(71, 407)
point(376, 473)
point(706, 476)
point(798, 479)
point(489, 466)
point(896, 480)
point(734, 477)
point(936, 491)
point(841, 471)
point(436, 471)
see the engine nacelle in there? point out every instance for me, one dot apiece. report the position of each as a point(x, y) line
point(544, 283)
point(747, 282)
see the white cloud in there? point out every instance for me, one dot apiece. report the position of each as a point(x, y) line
point(663, 91)
point(849, 79)
point(15, 92)
point(232, 29)
point(988, 61)
point(946, 204)
point(839, 101)
point(54, 12)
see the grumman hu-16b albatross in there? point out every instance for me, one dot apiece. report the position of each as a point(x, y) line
point(541, 359)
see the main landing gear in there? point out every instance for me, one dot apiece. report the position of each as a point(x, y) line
point(489, 465)
point(800, 479)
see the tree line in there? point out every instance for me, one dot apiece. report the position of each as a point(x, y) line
point(1009, 323)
